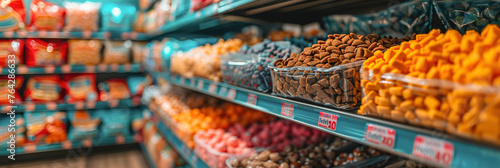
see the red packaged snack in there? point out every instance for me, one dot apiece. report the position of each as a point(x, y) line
point(46, 16)
point(11, 47)
point(113, 89)
point(46, 52)
point(43, 88)
point(12, 15)
point(7, 87)
point(80, 87)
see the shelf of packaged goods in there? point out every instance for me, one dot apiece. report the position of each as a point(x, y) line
point(187, 153)
point(151, 163)
point(133, 102)
point(74, 35)
point(396, 138)
point(65, 69)
point(68, 145)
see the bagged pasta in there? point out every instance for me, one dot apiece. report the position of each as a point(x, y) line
point(84, 52)
point(46, 15)
point(113, 89)
point(137, 51)
point(84, 125)
point(11, 47)
point(45, 52)
point(12, 15)
point(7, 85)
point(136, 84)
point(43, 88)
point(116, 52)
point(117, 17)
point(82, 16)
point(115, 122)
point(80, 87)
point(45, 127)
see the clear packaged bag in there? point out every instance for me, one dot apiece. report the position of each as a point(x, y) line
point(82, 16)
point(84, 52)
point(468, 14)
point(116, 52)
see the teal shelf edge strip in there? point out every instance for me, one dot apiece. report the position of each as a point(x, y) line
point(177, 144)
point(464, 153)
point(125, 103)
point(65, 69)
point(96, 142)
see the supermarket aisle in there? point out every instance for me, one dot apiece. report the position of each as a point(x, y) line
point(128, 158)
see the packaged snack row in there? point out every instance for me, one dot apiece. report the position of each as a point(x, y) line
point(51, 127)
point(50, 52)
point(68, 16)
point(71, 88)
point(160, 151)
point(417, 17)
point(446, 81)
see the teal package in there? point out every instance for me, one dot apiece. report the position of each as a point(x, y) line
point(136, 84)
point(117, 17)
point(84, 125)
point(115, 122)
point(36, 123)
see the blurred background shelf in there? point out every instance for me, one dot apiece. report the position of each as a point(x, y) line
point(65, 69)
point(134, 102)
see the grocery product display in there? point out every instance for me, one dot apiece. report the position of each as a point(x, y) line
point(253, 83)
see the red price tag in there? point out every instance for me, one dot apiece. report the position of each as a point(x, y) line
point(433, 149)
point(200, 85)
point(287, 110)
point(212, 88)
point(327, 120)
point(231, 94)
point(252, 99)
point(380, 135)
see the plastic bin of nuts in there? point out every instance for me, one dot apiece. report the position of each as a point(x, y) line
point(446, 81)
point(328, 72)
point(214, 158)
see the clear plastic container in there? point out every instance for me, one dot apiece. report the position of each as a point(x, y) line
point(466, 110)
point(338, 86)
point(246, 70)
point(212, 157)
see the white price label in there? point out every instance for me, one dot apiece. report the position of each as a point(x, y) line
point(200, 85)
point(327, 120)
point(433, 149)
point(212, 88)
point(380, 135)
point(287, 110)
point(193, 82)
point(231, 94)
point(182, 80)
point(252, 99)
point(222, 91)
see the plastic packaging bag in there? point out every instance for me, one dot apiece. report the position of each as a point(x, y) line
point(43, 88)
point(137, 52)
point(48, 127)
point(6, 86)
point(80, 87)
point(46, 52)
point(84, 52)
point(468, 14)
point(11, 47)
point(117, 17)
point(12, 15)
point(82, 16)
point(136, 84)
point(84, 125)
point(115, 122)
point(113, 89)
point(46, 15)
point(116, 52)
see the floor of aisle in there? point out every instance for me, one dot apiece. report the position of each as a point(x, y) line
point(116, 158)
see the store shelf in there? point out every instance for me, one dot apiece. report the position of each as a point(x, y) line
point(187, 153)
point(147, 156)
point(349, 125)
point(134, 102)
point(74, 35)
point(97, 141)
point(103, 68)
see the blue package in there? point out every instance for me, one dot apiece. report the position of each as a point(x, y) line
point(84, 125)
point(136, 84)
point(46, 127)
point(117, 17)
point(115, 122)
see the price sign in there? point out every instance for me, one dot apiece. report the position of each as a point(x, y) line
point(252, 99)
point(212, 88)
point(193, 82)
point(222, 90)
point(231, 94)
point(200, 85)
point(287, 110)
point(433, 149)
point(327, 120)
point(380, 135)
point(182, 80)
